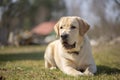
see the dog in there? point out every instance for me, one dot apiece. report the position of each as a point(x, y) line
point(72, 52)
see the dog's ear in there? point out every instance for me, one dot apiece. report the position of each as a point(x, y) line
point(56, 27)
point(83, 26)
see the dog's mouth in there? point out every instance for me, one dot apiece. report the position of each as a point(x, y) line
point(68, 46)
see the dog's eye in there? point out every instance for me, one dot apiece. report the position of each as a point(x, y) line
point(61, 27)
point(73, 27)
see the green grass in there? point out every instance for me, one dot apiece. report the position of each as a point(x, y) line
point(27, 63)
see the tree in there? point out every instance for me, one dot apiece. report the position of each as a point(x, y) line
point(23, 14)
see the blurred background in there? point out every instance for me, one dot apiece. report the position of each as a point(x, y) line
point(31, 22)
point(26, 27)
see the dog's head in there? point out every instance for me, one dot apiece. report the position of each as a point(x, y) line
point(70, 30)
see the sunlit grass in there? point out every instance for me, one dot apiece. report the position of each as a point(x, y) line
point(27, 63)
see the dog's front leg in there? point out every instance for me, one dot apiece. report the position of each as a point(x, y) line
point(72, 71)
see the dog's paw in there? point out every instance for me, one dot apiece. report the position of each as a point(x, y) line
point(88, 74)
point(81, 74)
point(52, 68)
point(78, 74)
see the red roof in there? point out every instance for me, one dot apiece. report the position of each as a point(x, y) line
point(44, 28)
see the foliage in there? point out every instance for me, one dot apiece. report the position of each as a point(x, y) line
point(24, 9)
point(23, 15)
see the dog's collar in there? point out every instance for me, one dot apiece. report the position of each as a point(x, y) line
point(73, 52)
point(76, 52)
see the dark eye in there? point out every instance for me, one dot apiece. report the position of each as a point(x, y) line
point(73, 27)
point(61, 27)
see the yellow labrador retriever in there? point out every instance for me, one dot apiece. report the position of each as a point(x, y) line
point(71, 53)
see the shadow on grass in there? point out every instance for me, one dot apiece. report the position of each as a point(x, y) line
point(101, 69)
point(22, 56)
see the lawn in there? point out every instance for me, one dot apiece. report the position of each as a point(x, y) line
point(27, 63)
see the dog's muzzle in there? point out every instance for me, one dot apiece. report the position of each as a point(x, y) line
point(64, 38)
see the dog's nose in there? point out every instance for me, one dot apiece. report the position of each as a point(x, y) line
point(64, 36)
